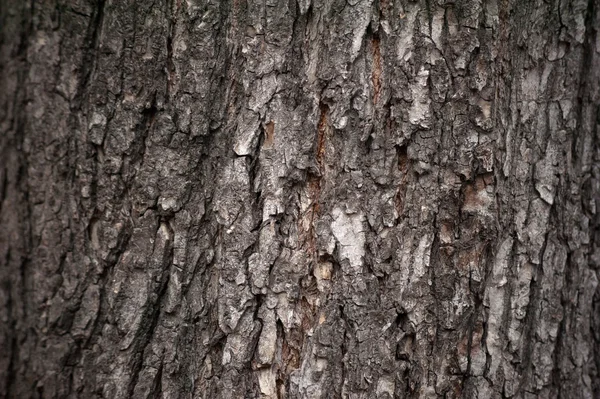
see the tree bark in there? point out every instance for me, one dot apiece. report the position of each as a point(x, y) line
point(300, 199)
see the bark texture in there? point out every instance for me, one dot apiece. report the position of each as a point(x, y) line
point(300, 198)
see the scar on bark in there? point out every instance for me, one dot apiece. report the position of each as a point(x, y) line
point(376, 75)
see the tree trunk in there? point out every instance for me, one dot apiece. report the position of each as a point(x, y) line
point(300, 199)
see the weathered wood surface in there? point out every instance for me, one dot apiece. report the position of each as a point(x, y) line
point(311, 199)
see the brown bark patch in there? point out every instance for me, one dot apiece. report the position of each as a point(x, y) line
point(384, 5)
point(457, 388)
point(290, 357)
point(468, 257)
point(446, 233)
point(402, 152)
point(376, 74)
point(471, 343)
point(307, 315)
point(475, 195)
point(314, 183)
point(322, 128)
point(269, 134)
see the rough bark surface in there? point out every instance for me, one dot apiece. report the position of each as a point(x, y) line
point(299, 199)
